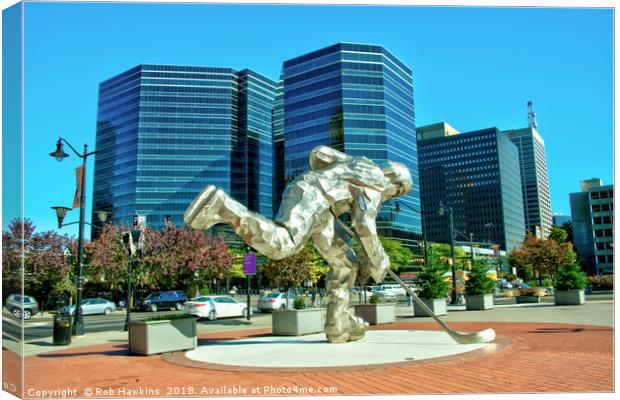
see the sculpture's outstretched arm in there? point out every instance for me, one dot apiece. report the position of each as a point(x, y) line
point(323, 156)
point(363, 215)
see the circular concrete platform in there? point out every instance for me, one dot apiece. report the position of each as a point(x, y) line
point(313, 351)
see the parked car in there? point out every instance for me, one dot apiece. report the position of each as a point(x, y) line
point(383, 294)
point(356, 291)
point(275, 301)
point(14, 304)
point(92, 306)
point(214, 307)
point(172, 299)
point(393, 288)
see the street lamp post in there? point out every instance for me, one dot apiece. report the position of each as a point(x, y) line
point(471, 247)
point(59, 154)
point(442, 210)
point(130, 240)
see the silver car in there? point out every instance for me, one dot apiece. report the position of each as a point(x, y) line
point(275, 301)
point(92, 306)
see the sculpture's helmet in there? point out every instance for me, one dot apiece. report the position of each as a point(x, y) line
point(399, 175)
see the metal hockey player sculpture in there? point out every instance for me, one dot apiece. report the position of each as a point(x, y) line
point(335, 184)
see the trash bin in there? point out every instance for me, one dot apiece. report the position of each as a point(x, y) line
point(62, 330)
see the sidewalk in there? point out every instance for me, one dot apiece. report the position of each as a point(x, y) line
point(591, 313)
point(541, 358)
point(550, 349)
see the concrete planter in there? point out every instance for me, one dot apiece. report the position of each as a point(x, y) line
point(569, 297)
point(438, 306)
point(376, 314)
point(297, 322)
point(154, 337)
point(528, 299)
point(479, 301)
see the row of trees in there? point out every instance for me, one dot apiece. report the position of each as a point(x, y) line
point(173, 258)
point(541, 258)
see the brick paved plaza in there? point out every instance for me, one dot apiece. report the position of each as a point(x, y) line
point(527, 357)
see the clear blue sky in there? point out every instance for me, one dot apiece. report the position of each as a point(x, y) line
point(473, 67)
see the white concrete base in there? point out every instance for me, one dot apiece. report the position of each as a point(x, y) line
point(313, 351)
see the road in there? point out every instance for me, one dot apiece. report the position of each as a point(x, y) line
point(41, 326)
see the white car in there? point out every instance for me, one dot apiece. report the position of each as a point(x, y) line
point(383, 294)
point(275, 301)
point(214, 307)
point(394, 289)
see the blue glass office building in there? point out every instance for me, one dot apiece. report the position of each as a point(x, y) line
point(164, 132)
point(358, 99)
point(477, 174)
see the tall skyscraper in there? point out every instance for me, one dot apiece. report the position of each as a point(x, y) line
point(356, 98)
point(164, 132)
point(592, 211)
point(477, 175)
point(534, 181)
point(278, 145)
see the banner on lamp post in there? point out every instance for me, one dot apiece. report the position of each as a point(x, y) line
point(77, 198)
point(249, 264)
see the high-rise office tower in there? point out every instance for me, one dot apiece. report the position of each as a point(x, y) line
point(534, 181)
point(356, 98)
point(592, 212)
point(164, 132)
point(278, 145)
point(477, 175)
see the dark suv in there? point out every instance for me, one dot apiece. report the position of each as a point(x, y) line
point(157, 300)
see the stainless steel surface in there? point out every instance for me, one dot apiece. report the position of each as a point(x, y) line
point(311, 203)
point(484, 336)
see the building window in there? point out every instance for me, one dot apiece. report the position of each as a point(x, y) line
point(601, 259)
point(600, 246)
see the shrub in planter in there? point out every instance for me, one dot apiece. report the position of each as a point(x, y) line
point(162, 334)
point(432, 290)
point(376, 313)
point(299, 303)
point(374, 299)
point(529, 295)
point(479, 288)
point(569, 284)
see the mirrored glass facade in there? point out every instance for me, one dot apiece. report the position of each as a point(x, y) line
point(358, 99)
point(477, 175)
point(164, 132)
point(534, 180)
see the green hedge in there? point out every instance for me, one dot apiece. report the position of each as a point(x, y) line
point(601, 282)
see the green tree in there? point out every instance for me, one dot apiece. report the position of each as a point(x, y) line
point(439, 253)
point(568, 228)
point(399, 255)
point(291, 271)
point(479, 281)
point(431, 282)
point(569, 275)
point(558, 234)
point(540, 257)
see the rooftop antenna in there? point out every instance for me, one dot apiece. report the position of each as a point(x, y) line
point(531, 115)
